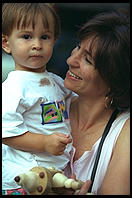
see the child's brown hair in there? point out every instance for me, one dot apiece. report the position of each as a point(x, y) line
point(20, 15)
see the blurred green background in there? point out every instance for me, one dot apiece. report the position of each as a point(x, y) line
point(72, 16)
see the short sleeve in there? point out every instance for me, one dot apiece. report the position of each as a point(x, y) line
point(12, 110)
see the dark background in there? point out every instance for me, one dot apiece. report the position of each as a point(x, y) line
point(72, 16)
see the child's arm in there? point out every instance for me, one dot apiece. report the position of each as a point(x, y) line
point(31, 142)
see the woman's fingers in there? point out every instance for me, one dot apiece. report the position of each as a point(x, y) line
point(84, 188)
point(73, 176)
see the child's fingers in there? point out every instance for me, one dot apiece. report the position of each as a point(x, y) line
point(65, 139)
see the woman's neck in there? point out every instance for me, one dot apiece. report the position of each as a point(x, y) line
point(88, 113)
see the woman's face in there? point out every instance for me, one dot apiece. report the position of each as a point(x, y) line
point(82, 77)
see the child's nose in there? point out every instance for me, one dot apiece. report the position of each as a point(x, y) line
point(36, 45)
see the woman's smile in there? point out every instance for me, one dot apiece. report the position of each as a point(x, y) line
point(73, 76)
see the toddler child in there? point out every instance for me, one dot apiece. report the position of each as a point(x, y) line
point(35, 103)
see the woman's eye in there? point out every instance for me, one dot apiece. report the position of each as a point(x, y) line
point(26, 36)
point(45, 37)
point(88, 61)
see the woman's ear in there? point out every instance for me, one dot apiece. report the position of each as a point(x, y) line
point(5, 44)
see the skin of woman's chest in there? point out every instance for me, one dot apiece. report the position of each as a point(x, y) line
point(83, 140)
point(86, 131)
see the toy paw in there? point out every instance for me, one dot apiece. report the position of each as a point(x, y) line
point(60, 180)
point(35, 181)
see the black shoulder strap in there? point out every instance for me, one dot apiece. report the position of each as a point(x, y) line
point(106, 130)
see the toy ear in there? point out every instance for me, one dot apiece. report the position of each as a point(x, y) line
point(5, 44)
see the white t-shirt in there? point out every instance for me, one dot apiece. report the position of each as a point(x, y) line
point(35, 102)
point(83, 167)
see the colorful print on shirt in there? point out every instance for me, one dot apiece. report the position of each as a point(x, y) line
point(53, 112)
point(18, 191)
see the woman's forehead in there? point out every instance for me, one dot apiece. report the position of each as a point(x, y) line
point(90, 43)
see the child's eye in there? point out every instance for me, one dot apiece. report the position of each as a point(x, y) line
point(44, 37)
point(26, 36)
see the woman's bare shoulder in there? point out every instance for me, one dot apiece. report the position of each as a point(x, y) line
point(117, 179)
point(125, 133)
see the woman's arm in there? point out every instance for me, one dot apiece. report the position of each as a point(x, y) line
point(117, 178)
point(32, 142)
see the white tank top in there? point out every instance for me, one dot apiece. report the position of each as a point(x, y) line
point(83, 167)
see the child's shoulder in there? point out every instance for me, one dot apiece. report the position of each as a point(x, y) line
point(14, 79)
point(56, 77)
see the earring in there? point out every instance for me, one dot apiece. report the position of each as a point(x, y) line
point(108, 102)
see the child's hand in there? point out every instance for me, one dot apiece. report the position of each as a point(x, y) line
point(56, 143)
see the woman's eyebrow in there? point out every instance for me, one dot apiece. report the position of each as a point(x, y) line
point(87, 52)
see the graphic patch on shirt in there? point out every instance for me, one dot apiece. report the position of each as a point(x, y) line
point(53, 112)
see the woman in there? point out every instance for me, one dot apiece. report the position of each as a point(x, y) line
point(99, 69)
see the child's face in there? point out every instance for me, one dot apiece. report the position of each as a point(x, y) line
point(32, 48)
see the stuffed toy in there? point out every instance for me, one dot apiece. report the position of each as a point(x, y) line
point(43, 181)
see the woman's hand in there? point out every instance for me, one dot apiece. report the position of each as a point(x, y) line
point(84, 188)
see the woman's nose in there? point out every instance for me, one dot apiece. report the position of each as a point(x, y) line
point(74, 58)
